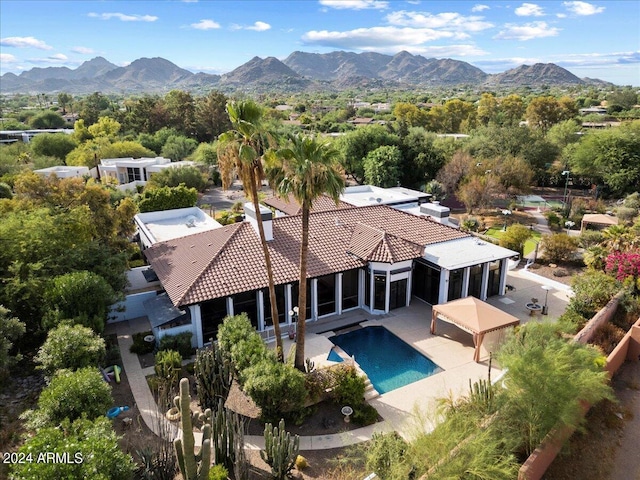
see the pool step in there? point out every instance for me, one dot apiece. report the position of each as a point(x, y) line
point(369, 391)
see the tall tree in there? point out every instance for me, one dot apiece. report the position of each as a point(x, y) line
point(307, 169)
point(242, 149)
point(211, 117)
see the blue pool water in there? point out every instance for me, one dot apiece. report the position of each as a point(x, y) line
point(388, 361)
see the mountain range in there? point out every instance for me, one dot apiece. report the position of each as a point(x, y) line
point(298, 72)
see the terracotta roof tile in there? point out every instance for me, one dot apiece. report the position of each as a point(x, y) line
point(291, 207)
point(229, 260)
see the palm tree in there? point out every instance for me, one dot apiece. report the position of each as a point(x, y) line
point(306, 169)
point(241, 149)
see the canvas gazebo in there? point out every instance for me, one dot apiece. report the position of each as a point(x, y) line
point(597, 221)
point(473, 316)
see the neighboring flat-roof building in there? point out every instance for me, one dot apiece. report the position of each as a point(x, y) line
point(63, 171)
point(130, 172)
point(376, 258)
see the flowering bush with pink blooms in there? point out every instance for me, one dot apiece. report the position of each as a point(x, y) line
point(623, 265)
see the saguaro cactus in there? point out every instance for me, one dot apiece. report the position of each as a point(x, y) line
point(192, 466)
point(280, 451)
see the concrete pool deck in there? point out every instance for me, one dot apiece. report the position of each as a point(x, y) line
point(408, 410)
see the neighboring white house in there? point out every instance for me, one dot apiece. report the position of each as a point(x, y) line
point(132, 172)
point(62, 171)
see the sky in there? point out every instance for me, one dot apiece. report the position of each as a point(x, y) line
point(597, 39)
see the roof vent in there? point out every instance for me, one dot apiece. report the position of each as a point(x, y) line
point(191, 221)
point(378, 200)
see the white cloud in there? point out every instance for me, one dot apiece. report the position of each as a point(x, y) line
point(123, 17)
point(7, 58)
point(55, 59)
point(449, 21)
point(583, 8)
point(528, 31)
point(256, 27)
point(529, 10)
point(355, 4)
point(480, 8)
point(83, 50)
point(259, 27)
point(24, 42)
point(205, 24)
point(375, 37)
point(561, 15)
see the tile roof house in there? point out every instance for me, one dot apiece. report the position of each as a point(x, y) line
point(371, 257)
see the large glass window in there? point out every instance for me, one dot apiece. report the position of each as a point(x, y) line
point(455, 284)
point(380, 291)
point(212, 313)
point(494, 278)
point(295, 288)
point(398, 294)
point(426, 282)
point(350, 289)
point(280, 303)
point(326, 295)
point(475, 281)
point(247, 302)
point(133, 174)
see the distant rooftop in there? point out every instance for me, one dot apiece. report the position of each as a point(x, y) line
point(169, 224)
point(363, 195)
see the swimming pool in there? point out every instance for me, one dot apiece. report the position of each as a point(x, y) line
point(389, 362)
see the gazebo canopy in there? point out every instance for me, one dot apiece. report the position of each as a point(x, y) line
point(598, 219)
point(473, 316)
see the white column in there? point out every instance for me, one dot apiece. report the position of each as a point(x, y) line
point(485, 281)
point(339, 293)
point(196, 324)
point(465, 282)
point(230, 310)
point(314, 299)
point(503, 275)
point(261, 325)
point(387, 291)
point(443, 291)
point(288, 303)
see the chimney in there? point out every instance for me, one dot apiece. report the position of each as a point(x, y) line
point(267, 219)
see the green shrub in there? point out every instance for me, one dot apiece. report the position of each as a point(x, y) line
point(278, 389)
point(92, 447)
point(364, 414)
point(218, 472)
point(554, 220)
point(67, 298)
point(71, 347)
point(72, 395)
point(590, 238)
point(385, 453)
point(592, 291)
point(515, 237)
point(168, 365)
point(349, 389)
point(558, 247)
point(140, 347)
point(547, 377)
point(239, 342)
point(180, 343)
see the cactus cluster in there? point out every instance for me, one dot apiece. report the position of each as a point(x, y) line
point(213, 376)
point(281, 450)
point(192, 466)
point(227, 436)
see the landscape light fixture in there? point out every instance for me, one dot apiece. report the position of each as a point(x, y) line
point(506, 213)
point(566, 186)
point(545, 308)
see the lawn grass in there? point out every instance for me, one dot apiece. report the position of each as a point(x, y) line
point(529, 246)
